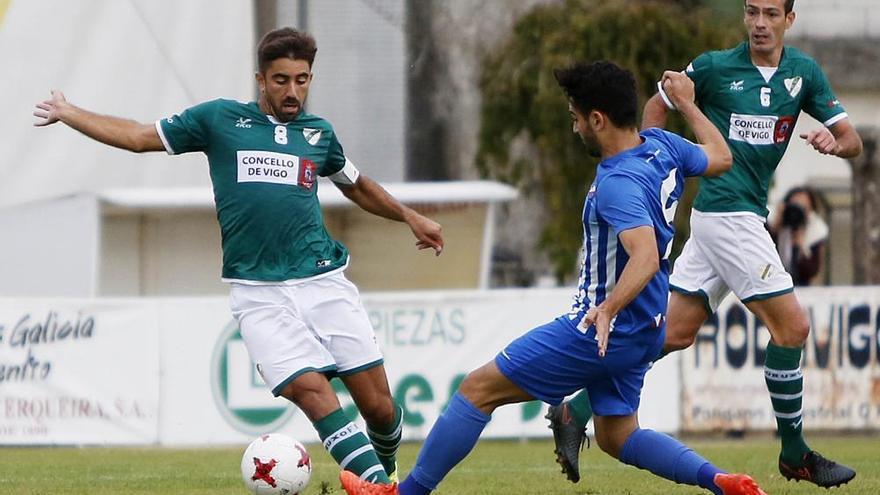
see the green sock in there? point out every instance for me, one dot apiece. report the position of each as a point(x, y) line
point(349, 447)
point(386, 440)
point(782, 372)
point(580, 407)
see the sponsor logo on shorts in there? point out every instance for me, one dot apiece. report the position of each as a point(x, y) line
point(240, 394)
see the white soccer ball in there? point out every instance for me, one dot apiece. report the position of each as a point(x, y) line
point(276, 464)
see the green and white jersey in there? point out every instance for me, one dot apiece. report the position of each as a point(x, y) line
point(758, 116)
point(264, 175)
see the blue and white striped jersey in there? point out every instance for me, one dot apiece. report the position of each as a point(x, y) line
point(639, 187)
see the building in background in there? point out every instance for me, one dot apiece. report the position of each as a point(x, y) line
point(83, 219)
point(844, 37)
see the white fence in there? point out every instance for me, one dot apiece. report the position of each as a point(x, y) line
point(175, 372)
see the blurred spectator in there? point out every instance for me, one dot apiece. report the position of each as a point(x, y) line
point(800, 234)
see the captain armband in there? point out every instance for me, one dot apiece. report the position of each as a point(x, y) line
point(348, 175)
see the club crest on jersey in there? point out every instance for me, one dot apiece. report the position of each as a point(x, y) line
point(783, 129)
point(307, 173)
point(312, 136)
point(794, 85)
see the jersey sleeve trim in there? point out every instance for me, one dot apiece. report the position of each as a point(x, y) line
point(837, 118)
point(164, 139)
point(664, 96)
point(347, 175)
point(619, 229)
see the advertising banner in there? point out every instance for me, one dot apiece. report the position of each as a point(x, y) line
point(175, 371)
point(723, 373)
point(211, 392)
point(74, 372)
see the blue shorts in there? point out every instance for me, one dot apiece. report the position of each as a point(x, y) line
point(555, 360)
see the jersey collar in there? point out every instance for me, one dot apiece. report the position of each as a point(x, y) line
point(746, 55)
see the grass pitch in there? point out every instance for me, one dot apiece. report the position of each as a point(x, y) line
point(493, 468)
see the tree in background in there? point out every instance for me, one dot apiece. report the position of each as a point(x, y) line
point(524, 109)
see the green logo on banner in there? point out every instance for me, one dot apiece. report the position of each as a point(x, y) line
point(239, 392)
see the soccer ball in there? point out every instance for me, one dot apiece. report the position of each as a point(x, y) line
point(276, 464)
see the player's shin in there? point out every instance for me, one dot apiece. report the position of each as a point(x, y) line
point(386, 440)
point(670, 459)
point(350, 448)
point(451, 439)
point(782, 372)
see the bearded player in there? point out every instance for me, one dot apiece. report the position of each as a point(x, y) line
point(300, 318)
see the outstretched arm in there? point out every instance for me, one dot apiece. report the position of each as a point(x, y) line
point(120, 133)
point(371, 197)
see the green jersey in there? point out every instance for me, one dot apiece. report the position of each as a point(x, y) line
point(264, 175)
point(757, 115)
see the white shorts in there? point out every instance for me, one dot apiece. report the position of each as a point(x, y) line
point(732, 252)
point(317, 325)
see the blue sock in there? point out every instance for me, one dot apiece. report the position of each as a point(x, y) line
point(451, 439)
point(669, 458)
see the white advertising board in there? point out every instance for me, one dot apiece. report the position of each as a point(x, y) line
point(78, 372)
point(175, 371)
point(723, 374)
point(212, 394)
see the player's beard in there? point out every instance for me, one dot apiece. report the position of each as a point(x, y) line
point(283, 111)
point(592, 145)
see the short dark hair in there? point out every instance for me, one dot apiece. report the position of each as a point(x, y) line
point(601, 86)
point(789, 5)
point(285, 43)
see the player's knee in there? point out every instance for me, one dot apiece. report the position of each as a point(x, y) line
point(678, 341)
point(314, 401)
point(474, 388)
point(794, 334)
point(378, 411)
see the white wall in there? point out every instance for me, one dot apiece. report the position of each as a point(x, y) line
point(360, 78)
point(837, 18)
point(142, 59)
point(50, 248)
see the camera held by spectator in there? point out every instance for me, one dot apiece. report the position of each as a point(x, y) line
point(800, 234)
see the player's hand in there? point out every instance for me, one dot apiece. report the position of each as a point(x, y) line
point(601, 318)
point(49, 111)
point(428, 233)
point(822, 141)
point(678, 87)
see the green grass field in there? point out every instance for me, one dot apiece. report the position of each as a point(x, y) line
point(493, 468)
